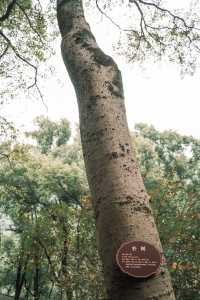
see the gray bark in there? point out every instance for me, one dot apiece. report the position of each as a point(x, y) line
point(120, 201)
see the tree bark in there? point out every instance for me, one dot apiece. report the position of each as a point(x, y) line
point(18, 282)
point(65, 274)
point(20, 277)
point(36, 283)
point(120, 201)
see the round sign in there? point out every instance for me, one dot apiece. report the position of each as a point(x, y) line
point(138, 259)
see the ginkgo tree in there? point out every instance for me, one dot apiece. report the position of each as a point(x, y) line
point(120, 201)
point(121, 204)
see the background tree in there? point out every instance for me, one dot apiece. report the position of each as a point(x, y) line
point(50, 134)
point(170, 167)
point(50, 217)
point(169, 164)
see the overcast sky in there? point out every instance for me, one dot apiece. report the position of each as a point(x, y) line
point(156, 96)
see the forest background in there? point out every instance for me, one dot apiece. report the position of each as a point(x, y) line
point(42, 181)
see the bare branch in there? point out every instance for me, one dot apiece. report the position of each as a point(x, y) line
point(108, 17)
point(164, 10)
point(8, 11)
point(111, 20)
point(142, 19)
point(4, 51)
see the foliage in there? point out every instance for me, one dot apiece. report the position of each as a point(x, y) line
point(7, 130)
point(51, 227)
point(24, 43)
point(170, 166)
point(152, 30)
point(50, 134)
point(47, 202)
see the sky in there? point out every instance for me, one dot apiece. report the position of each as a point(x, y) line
point(156, 96)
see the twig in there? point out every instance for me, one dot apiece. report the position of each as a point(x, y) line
point(29, 22)
point(8, 11)
point(18, 55)
point(49, 259)
point(16, 52)
point(143, 18)
point(111, 20)
point(4, 51)
point(164, 10)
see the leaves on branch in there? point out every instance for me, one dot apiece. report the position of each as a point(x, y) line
point(153, 32)
point(23, 45)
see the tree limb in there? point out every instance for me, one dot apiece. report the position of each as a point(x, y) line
point(147, 27)
point(111, 20)
point(8, 11)
point(29, 22)
point(19, 56)
point(17, 53)
point(164, 10)
point(4, 51)
point(48, 259)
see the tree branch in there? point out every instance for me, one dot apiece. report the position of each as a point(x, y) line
point(7, 156)
point(49, 260)
point(8, 11)
point(145, 23)
point(29, 22)
point(111, 20)
point(19, 56)
point(17, 53)
point(4, 51)
point(164, 10)
point(147, 27)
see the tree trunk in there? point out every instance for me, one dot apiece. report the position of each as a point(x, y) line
point(120, 201)
point(20, 278)
point(64, 267)
point(36, 283)
point(18, 285)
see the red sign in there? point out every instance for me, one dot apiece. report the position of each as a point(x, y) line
point(138, 259)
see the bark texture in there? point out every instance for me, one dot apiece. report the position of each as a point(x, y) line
point(120, 201)
point(20, 276)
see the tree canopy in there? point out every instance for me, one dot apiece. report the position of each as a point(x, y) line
point(148, 30)
point(51, 188)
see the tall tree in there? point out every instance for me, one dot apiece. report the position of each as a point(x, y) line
point(49, 133)
point(120, 201)
point(108, 154)
point(35, 190)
